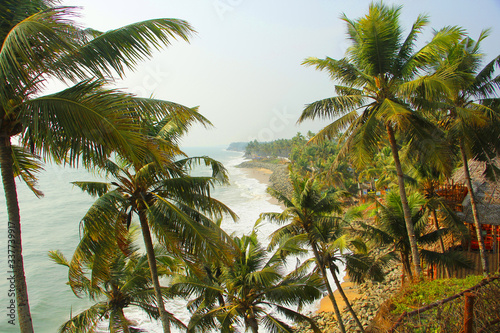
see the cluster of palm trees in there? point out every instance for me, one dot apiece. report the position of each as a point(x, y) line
point(314, 221)
point(436, 101)
point(131, 138)
point(426, 106)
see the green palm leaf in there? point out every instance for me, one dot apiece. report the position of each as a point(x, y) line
point(104, 54)
point(85, 321)
point(26, 166)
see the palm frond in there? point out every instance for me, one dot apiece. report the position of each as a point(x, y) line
point(406, 50)
point(104, 54)
point(273, 325)
point(26, 166)
point(298, 317)
point(85, 321)
point(93, 188)
point(332, 130)
point(449, 259)
point(85, 121)
point(33, 44)
point(332, 107)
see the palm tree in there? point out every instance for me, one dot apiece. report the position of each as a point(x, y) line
point(168, 202)
point(302, 210)
point(248, 290)
point(427, 181)
point(82, 123)
point(378, 77)
point(124, 282)
point(390, 229)
point(310, 219)
point(380, 173)
point(469, 111)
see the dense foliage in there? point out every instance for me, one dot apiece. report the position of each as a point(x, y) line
point(402, 116)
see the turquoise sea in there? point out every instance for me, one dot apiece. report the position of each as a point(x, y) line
point(52, 223)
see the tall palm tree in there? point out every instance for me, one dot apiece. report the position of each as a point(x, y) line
point(167, 201)
point(82, 123)
point(301, 210)
point(124, 282)
point(390, 229)
point(469, 111)
point(247, 291)
point(378, 77)
point(427, 181)
point(309, 218)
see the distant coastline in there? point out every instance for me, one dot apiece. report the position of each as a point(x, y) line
point(237, 146)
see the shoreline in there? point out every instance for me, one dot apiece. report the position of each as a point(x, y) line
point(351, 291)
point(263, 175)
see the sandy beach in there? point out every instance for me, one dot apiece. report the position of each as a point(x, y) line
point(262, 175)
point(350, 290)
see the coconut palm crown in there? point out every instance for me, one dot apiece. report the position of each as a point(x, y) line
point(390, 229)
point(125, 282)
point(313, 219)
point(378, 79)
point(470, 114)
point(251, 291)
point(175, 207)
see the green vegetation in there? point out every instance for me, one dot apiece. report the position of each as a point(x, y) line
point(424, 293)
point(277, 148)
point(124, 281)
point(468, 113)
point(379, 78)
point(308, 159)
point(168, 202)
point(251, 289)
point(389, 230)
point(312, 219)
point(84, 123)
point(403, 119)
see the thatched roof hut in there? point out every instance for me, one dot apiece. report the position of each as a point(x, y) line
point(487, 194)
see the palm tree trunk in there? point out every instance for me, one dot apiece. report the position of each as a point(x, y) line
point(112, 326)
point(346, 300)
point(14, 243)
point(404, 202)
point(328, 287)
point(154, 272)
point(252, 323)
point(123, 321)
point(477, 223)
point(441, 243)
point(406, 267)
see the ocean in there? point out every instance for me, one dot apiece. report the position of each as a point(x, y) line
point(52, 223)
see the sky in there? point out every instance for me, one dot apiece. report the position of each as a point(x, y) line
point(243, 67)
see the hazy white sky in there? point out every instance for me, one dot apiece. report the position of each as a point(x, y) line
point(243, 68)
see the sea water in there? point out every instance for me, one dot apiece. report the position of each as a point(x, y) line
point(52, 223)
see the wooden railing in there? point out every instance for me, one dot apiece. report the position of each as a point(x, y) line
point(476, 309)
